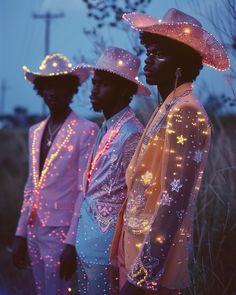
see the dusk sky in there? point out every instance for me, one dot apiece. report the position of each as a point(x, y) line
point(22, 43)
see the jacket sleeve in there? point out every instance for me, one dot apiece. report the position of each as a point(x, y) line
point(27, 197)
point(185, 147)
point(83, 156)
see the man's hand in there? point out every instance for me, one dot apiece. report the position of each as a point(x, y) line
point(131, 290)
point(19, 252)
point(114, 279)
point(68, 262)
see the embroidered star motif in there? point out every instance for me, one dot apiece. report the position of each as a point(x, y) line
point(197, 156)
point(181, 139)
point(147, 178)
point(175, 185)
point(165, 199)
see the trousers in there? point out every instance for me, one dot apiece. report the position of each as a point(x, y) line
point(93, 279)
point(45, 245)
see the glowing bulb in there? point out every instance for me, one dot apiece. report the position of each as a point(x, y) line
point(120, 62)
point(187, 30)
point(160, 239)
point(139, 245)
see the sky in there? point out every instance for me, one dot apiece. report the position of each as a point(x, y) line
point(22, 43)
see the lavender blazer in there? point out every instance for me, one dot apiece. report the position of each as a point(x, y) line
point(56, 194)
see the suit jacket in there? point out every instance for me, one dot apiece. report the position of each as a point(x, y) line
point(56, 195)
point(105, 188)
point(163, 180)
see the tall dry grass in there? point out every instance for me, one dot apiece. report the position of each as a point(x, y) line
point(13, 173)
point(213, 267)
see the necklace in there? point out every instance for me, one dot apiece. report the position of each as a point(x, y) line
point(52, 134)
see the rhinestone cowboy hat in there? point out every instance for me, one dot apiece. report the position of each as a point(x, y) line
point(186, 29)
point(54, 65)
point(122, 63)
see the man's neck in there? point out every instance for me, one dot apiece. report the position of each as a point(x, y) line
point(59, 116)
point(111, 112)
point(166, 89)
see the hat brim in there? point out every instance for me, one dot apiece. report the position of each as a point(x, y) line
point(78, 71)
point(212, 52)
point(142, 89)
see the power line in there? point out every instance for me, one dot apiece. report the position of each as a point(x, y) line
point(47, 17)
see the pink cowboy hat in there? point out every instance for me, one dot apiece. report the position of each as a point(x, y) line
point(122, 63)
point(186, 29)
point(54, 65)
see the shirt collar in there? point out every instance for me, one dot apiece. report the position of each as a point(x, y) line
point(114, 118)
point(178, 91)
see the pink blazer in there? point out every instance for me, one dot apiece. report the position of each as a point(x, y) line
point(57, 193)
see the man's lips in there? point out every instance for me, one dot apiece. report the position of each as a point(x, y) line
point(53, 102)
point(94, 100)
point(147, 70)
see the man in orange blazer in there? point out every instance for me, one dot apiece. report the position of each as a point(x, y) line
point(153, 233)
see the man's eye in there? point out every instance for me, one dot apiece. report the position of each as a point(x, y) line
point(157, 53)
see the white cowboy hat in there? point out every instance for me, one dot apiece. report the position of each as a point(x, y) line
point(54, 65)
point(122, 63)
point(186, 29)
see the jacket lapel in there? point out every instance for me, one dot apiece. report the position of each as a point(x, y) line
point(105, 143)
point(60, 142)
point(36, 147)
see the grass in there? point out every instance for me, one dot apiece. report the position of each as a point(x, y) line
point(213, 267)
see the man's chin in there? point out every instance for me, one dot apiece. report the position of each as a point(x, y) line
point(151, 81)
point(96, 109)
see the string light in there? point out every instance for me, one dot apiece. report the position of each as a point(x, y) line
point(39, 182)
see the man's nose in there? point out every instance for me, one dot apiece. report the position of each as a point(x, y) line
point(50, 92)
point(94, 90)
point(148, 60)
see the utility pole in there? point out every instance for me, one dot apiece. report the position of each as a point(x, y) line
point(3, 88)
point(47, 17)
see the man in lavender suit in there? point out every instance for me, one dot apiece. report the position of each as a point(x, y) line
point(114, 83)
point(59, 147)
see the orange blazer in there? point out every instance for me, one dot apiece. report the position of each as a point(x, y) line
point(163, 180)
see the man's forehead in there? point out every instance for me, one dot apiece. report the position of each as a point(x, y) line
point(156, 45)
point(103, 75)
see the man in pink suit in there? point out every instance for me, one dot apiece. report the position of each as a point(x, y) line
point(59, 147)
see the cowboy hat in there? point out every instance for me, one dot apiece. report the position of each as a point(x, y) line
point(122, 63)
point(54, 65)
point(184, 28)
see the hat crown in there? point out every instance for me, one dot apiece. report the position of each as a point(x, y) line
point(55, 63)
point(183, 28)
point(120, 61)
point(174, 15)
